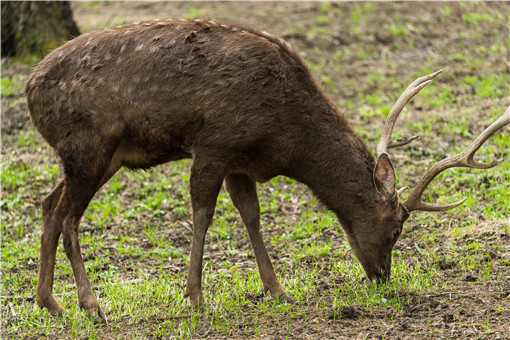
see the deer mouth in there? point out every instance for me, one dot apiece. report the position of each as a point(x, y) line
point(380, 274)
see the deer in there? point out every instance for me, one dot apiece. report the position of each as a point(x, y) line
point(242, 104)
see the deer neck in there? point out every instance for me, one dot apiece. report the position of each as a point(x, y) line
point(338, 167)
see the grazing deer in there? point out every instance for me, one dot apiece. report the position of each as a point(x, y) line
point(242, 104)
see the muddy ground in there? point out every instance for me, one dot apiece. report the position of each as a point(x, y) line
point(436, 41)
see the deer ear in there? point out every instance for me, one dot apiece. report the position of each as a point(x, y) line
point(384, 177)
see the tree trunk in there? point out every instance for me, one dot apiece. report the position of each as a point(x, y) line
point(35, 27)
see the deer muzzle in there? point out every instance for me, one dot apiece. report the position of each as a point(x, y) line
point(380, 273)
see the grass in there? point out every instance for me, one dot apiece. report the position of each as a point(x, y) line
point(159, 296)
point(136, 233)
point(12, 85)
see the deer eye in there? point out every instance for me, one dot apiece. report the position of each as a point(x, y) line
point(396, 234)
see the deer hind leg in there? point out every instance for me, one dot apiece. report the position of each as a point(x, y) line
point(62, 211)
point(78, 192)
point(242, 190)
point(51, 231)
point(205, 184)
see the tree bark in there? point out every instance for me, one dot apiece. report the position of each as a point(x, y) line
point(35, 27)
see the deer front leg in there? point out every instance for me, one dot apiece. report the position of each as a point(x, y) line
point(242, 190)
point(205, 182)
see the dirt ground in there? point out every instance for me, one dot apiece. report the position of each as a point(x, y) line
point(434, 42)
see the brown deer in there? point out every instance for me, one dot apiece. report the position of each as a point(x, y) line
point(242, 104)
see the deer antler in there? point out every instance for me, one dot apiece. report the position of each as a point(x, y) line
point(414, 88)
point(463, 159)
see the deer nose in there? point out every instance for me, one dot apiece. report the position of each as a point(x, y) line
point(385, 276)
point(380, 274)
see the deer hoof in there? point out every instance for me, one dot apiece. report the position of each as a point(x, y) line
point(199, 307)
point(97, 316)
point(196, 301)
point(281, 296)
point(287, 298)
point(51, 304)
point(94, 312)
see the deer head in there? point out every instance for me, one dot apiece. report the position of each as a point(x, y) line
point(386, 223)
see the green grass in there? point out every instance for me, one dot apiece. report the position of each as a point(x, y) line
point(12, 85)
point(160, 296)
point(194, 12)
point(473, 17)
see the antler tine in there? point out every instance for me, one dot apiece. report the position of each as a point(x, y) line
point(423, 206)
point(402, 141)
point(463, 159)
point(414, 88)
